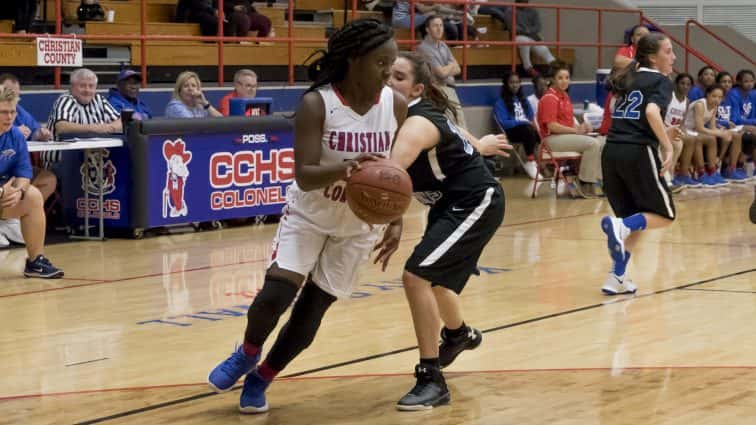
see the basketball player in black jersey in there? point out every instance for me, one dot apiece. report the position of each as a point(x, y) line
point(466, 208)
point(632, 170)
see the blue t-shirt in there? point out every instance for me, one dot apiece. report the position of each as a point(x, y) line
point(25, 118)
point(696, 93)
point(119, 102)
point(14, 156)
point(177, 109)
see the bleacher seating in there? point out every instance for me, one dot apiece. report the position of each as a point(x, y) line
point(160, 21)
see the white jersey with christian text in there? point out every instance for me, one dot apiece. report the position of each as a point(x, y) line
point(346, 134)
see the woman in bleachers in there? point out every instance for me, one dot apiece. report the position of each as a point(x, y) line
point(706, 77)
point(188, 100)
point(514, 115)
point(701, 121)
point(724, 120)
point(557, 127)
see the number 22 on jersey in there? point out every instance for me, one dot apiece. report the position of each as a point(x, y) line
point(629, 107)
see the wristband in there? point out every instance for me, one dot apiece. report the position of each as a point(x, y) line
point(207, 105)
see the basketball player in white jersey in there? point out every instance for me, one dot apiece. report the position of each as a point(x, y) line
point(673, 120)
point(346, 117)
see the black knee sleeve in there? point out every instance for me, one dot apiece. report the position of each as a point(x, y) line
point(269, 304)
point(300, 330)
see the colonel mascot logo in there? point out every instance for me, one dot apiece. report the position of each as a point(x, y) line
point(177, 159)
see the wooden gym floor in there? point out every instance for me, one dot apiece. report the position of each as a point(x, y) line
point(132, 331)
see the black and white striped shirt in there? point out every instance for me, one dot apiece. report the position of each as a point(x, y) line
point(67, 108)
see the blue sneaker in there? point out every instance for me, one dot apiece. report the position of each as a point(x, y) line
point(616, 233)
point(225, 375)
point(709, 181)
point(253, 394)
point(42, 268)
point(688, 181)
point(718, 179)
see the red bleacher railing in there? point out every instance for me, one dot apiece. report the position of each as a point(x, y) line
point(291, 41)
point(711, 33)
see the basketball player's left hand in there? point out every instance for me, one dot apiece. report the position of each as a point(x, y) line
point(494, 144)
point(389, 244)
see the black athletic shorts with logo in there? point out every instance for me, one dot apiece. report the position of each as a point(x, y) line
point(632, 183)
point(455, 237)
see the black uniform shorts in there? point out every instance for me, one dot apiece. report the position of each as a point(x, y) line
point(632, 183)
point(455, 237)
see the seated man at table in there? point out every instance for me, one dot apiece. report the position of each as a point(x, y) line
point(126, 95)
point(18, 198)
point(83, 110)
point(44, 180)
point(245, 87)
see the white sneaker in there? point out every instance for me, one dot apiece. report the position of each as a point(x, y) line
point(4, 242)
point(615, 286)
point(531, 169)
point(11, 230)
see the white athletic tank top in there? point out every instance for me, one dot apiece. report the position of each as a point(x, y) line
point(346, 134)
point(690, 115)
point(676, 111)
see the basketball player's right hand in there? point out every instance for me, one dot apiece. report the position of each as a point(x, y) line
point(494, 144)
point(354, 164)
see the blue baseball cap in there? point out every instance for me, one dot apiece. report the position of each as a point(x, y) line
point(128, 73)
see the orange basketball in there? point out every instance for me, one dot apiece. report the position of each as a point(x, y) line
point(380, 192)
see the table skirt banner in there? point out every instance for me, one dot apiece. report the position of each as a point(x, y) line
point(80, 174)
point(210, 169)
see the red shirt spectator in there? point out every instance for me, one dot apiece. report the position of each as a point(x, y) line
point(556, 106)
point(245, 86)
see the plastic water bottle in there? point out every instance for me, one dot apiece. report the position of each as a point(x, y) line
point(749, 168)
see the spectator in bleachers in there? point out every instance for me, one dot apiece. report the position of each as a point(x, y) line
point(675, 116)
point(125, 95)
point(202, 12)
point(242, 17)
point(513, 113)
point(529, 30)
point(701, 120)
point(743, 100)
point(559, 129)
point(731, 171)
point(83, 110)
point(540, 85)
point(706, 78)
point(22, 12)
point(442, 62)
point(188, 100)
point(245, 87)
point(400, 17)
point(18, 198)
point(24, 120)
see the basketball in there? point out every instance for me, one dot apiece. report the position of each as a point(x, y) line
point(380, 192)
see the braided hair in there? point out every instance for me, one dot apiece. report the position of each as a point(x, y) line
point(355, 39)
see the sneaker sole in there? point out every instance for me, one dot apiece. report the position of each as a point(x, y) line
point(252, 409)
point(217, 389)
point(610, 292)
point(56, 275)
point(616, 249)
point(440, 401)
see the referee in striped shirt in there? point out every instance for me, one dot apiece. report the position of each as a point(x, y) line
point(82, 110)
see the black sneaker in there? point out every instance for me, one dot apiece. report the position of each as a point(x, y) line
point(429, 391)
point(42, 268)
point(451, 347)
